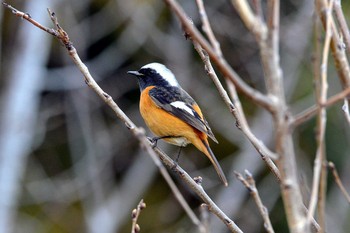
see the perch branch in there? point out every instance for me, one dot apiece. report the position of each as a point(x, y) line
point(198, 189)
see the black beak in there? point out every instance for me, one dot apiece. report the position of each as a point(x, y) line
point(136, 73)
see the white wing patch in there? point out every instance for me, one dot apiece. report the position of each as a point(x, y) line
point(183, 106)
point(164, 72)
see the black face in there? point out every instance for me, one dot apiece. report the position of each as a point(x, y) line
point(149, 77)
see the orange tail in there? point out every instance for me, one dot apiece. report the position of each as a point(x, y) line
point(214, 161)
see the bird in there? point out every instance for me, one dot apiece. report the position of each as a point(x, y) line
point(172, 114)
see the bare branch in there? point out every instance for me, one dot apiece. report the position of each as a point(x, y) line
point(207, 28)
point(242, 124)
point(345, 109)
point(322, 118)
point(27, 17)
point(270, 52)
point(337, 179)
point(321, 94)
point(342, 23)
point(135, 228)
point(311, 112)
point(204, 218)
point(338, 51)
point(249, 183)
point(321, 204)
point(252, 22)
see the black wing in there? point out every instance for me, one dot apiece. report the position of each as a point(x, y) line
point(179, 103)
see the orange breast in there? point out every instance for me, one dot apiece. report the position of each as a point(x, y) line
point(162, 123)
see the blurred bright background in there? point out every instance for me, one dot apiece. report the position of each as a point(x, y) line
point(67, 164)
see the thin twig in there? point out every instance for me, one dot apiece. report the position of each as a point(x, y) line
point(321, 204)
point(207, 28)
point(339, 14)
point(242, 124)
point(338, 50)
point(312, 111)
point(322, 118)
point(337, 179)
point(321, 95)
point(27, 17)
point(252, 22)
point(204, 215)
point(249, 183)
point(345, 109)
point(135, 213)
point(317, 55)
point(270, 52)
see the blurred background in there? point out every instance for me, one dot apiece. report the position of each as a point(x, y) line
point(67, 164)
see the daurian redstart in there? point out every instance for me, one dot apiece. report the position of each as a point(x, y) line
point(171, 113)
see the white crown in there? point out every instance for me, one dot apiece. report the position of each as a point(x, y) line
point(163, 71)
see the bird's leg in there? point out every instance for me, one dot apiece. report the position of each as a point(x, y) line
point(154, 140)
point(178, 155)
point(176, 160)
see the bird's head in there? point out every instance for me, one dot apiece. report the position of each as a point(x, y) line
point(154, 74)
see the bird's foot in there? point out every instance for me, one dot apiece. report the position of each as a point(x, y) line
point(153, 141)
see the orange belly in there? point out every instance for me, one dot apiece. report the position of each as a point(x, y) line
point(162, 123)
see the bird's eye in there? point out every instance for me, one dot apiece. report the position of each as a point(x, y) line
point(150, 72)
point(146, 71)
